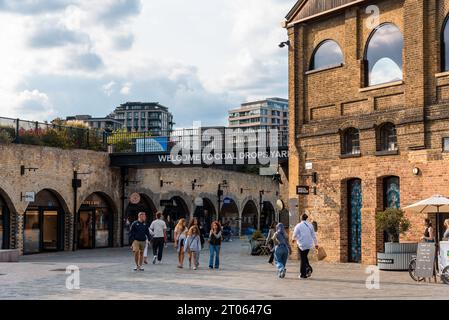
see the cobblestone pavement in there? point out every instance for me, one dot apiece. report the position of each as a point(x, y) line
point(107, 274)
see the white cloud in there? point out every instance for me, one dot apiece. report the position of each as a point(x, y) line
point(76, 56)
point(126, 89)
point(108, 88)
point(36, 102)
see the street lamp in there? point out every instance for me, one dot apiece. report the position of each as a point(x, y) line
point(221, 186)
point(195, 184)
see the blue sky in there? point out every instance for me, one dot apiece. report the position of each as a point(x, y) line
point(198, 57)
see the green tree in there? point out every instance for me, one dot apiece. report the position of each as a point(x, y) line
point(393, 222)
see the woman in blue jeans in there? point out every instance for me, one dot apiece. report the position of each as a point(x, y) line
point(281, 249)
point(215, 238)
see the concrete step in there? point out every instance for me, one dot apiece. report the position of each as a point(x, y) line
point(9, 255)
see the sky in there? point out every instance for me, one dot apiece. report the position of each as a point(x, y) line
point(198, 57)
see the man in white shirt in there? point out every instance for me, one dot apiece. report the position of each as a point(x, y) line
point(158, 230)
point(305, 237)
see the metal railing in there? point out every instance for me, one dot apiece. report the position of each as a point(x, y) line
point(195, 139)
point(153, 141)
point(50, 135)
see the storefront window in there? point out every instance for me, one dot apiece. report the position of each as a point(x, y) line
point(95, 223)
point(102, 228)
point(32, 232)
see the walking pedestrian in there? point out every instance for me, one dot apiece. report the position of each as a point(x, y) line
point(180, 240)
point(305, 237)
point(196, 222)
point(138, 236)
point(193, 246)
point(215, 238)
point(282, 249)
point(269, 242)
point(158, 230)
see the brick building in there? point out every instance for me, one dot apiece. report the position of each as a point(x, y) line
point(369, 112)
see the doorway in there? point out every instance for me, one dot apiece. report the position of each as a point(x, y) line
point(355, 220)
point(4, 225)
point(95, 223)
point(43, 224)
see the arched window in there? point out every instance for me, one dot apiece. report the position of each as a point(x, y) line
point(327, 54)
point(445, 46)
point(383, 57)
point(387, 139)
point(351, 142)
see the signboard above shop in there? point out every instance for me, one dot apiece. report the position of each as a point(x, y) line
point(302, 190)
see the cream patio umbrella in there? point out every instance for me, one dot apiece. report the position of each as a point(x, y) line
point(438, 202)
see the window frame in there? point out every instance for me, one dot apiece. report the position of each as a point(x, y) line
point(312, 67)
point(345, 152)
point(443, 45)
point(366, 73)
point(383, 140)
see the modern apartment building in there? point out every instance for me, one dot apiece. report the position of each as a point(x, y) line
point(132, 116)
point(145, 116)
point(271, 113)
point(107, 123)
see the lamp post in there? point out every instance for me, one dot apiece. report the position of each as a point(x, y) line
point(221, 185)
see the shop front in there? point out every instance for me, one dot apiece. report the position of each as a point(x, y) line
point(229, 215)
point(95, 223)
point(205, 213)
point(44, 224)
point(4, 225)
point(137, 203)
point(267, 217)
point(249, 218)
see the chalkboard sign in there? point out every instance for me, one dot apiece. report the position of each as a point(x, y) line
point(425, 260)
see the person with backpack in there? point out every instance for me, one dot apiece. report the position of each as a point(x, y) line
point(193, 246)
point(138, 236)
point(269, 242)
point(282, 249)
point(215, 239)
point(305, 237)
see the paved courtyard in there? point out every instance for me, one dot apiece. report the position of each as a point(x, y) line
point(107, 274)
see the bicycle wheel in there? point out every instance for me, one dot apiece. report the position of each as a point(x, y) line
point(445, 275)
point(412, 269)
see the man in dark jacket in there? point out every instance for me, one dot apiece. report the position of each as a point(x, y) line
point(138, 235)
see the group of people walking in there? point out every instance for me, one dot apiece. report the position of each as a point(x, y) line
point(304, 237)
point(187, 240)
